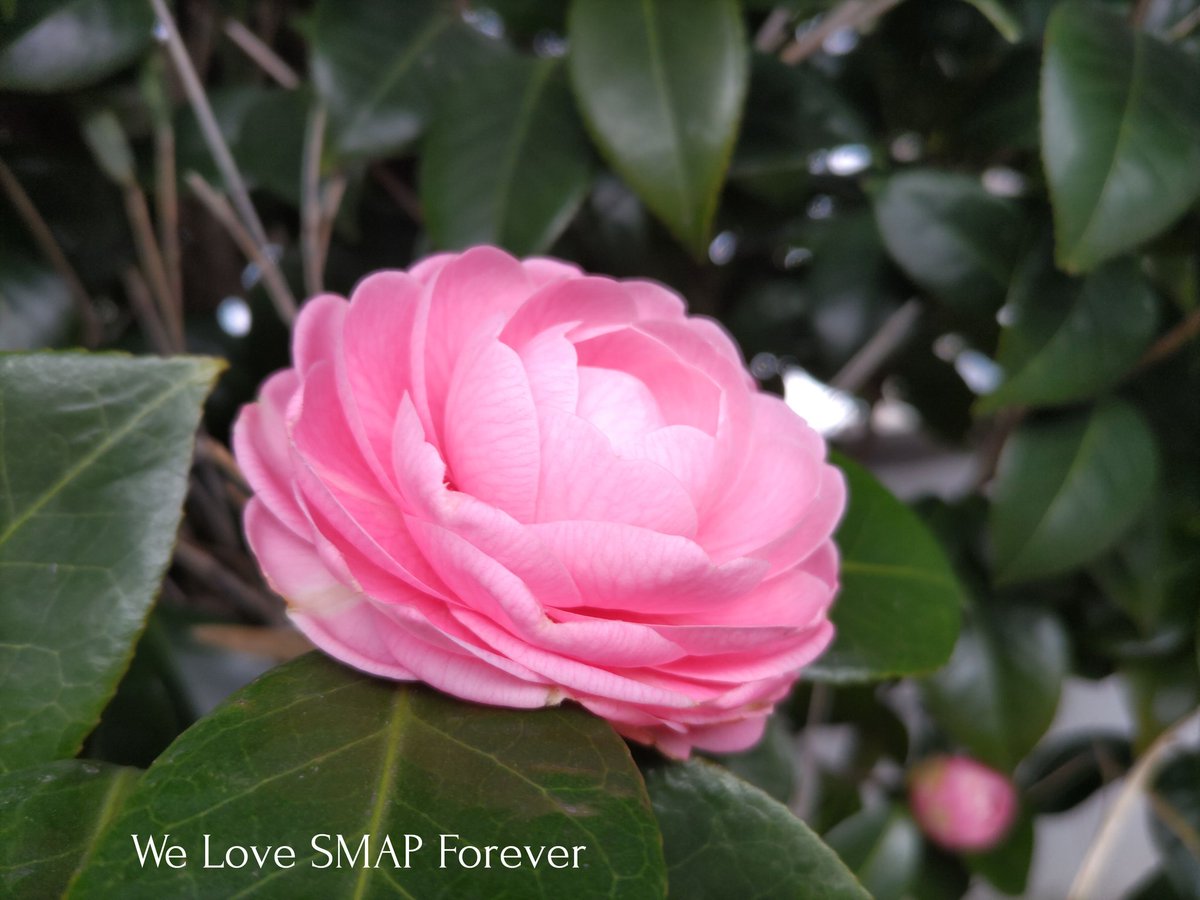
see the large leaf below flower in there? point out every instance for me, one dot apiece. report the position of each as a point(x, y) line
point(313, 748)
point(94, 454)
point(50, 818)
point(506, 161)
point(661, 84)
point(898, 609)
point(1120, 133)
point(724, 838)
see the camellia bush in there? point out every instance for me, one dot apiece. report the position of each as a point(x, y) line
point(346, 342)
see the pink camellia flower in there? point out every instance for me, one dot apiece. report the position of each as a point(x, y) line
point(961, 804)
point(523, 484)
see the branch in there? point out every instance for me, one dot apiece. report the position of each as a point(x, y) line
point(273, 280)
point(875, 352)
point(262, 55)
point(208, 124)
point(44, 238)
point(144, 310)
point(1171, 342)
point(1143, 771)
point(850, 14)
point(311, 212)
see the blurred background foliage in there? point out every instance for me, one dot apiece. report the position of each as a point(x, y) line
point(962, 237)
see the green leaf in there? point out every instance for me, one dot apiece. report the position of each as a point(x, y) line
point(883, 847)
point(50, 818)
point(1066, 769)
point(1175, 822)
point(724, 838)
point(899, 606)
point(94, 455)
point(506, 161)
point(314, 748)
point(1067, 339)
point(661, 85)
point(951, 237)
point(1001, 17)
point(378, 68)
point(792, 113)
point(1006, 865)
point(1120, 133)
point(998, 694)
point(770, 765)
point(35, 305)
point(1067, 488)
point(52, 45)
point(264, 128)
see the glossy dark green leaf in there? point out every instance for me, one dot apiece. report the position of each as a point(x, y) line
point(899, 607)
point(57, 45)
point(379, 68)
point(1067, 339)
point(661, 85)
point(506, 161)
point(1066, 769)
point(793, 114)
point(314, 748)
point(264, 128)
point(1120, 133)
point(883, 848)
point(770, 765)
point(1006, 865)
point(1068, 487)
point(1175, 821)
point(36, 310)
point(1002, 17)
point(950, 236)
point(724, 838)
point(999, 692)
point(50, 818)
point(94, 454)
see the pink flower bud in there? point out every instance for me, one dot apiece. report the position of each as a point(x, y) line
point(961, 804)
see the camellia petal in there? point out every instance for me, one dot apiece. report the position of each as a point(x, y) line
point(523, 484)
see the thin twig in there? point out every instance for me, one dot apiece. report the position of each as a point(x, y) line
point(819, 701)
point(208, 124)
point(280, 642)
point(1171, 342)
point(400, 192)
point(1184, 26)
point(773, 32)
point(331, 201)
point(166, 197)
point(1138, 14)
point(1006, 423)
point(262, 55)
point(151, 258)
point(1143, 771)
point(205, 567)
point(214, 452)
point(1169, 814)
point(310, 206)
point(273, 280)
point(875, 352)
point(146, 313)
point(850, 14)
point(44, 238)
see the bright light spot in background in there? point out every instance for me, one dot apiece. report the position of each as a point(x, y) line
point(764, 365)
point(907, 147)
point(722, 248)
point(234, 316)
point(160, 32)
point(796, 257)
point(981, 374)
point(1001, 181)
point(841, 42)
point(252, 274)
point(849, 159)
point(485, 21)
point(549, 45)
point(821, 207)
point(829, 411)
